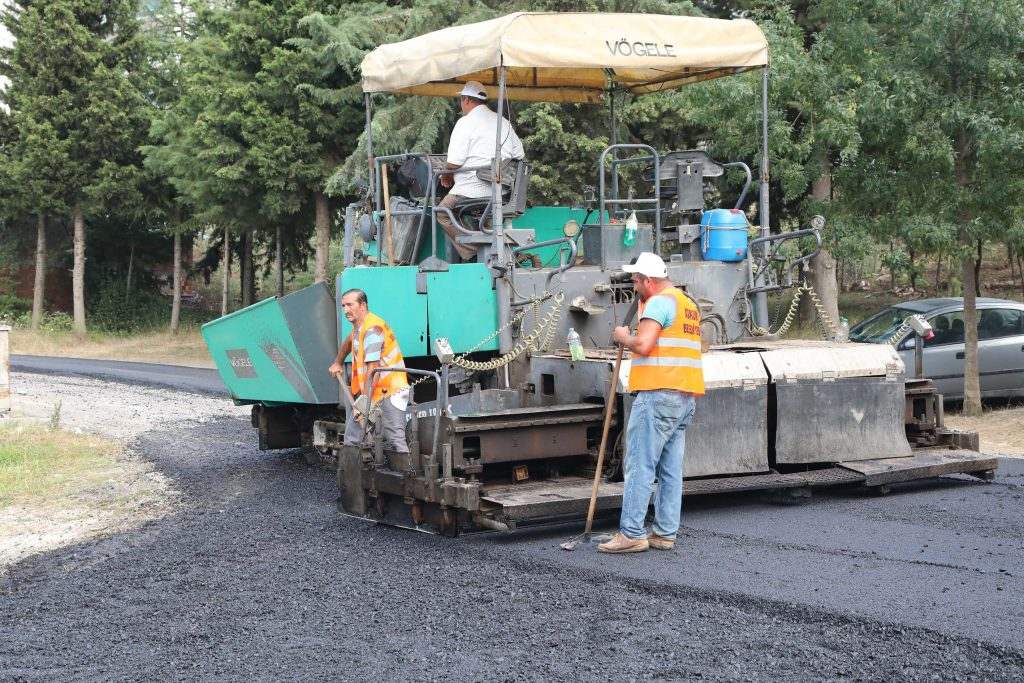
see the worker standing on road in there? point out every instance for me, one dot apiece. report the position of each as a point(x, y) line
point(373, 345)
point(472, 145)
point(665, 375)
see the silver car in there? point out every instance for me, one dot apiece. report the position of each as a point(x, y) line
point(1000, 343)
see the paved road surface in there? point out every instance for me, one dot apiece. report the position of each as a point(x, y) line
point(198, 380)
point(257, 577)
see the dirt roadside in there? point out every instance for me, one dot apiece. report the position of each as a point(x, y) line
point(1001, 429)
point(186, 348)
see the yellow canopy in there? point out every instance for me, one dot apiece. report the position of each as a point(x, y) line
point(567, 57)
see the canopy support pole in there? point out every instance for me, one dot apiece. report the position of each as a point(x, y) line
point(611, 114)
point(761, 298)
point(372, 177)
point(496, 208)
point(502, 283)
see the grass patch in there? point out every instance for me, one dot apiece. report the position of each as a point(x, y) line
point(185, 348)
point(39, 465)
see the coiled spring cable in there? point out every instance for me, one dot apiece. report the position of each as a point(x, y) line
point(830, 325)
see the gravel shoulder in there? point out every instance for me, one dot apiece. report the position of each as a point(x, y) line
point(255, 576)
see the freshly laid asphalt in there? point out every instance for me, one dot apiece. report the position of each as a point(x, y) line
point(197, 380)
point(258, 577)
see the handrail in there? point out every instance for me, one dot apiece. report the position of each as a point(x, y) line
point(746, 185)
point(442, 398)
point(457, 224)
point(781, 237)
point(378, 161)
point(657, 185)
point(432, 197)
point(547, 243)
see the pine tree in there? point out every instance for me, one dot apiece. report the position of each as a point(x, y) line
point(72, 69)
point(32, 178)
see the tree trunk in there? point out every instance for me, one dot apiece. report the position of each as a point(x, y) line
point(176, 297)
point(246, 273)
point(279, 262)
point(39, 287)
point(968, 273)
point(913, 269)
point(323, 237)
point(938, 272)
point(823, 266)
point(977, 269)
point(78, 270)
point(972, 382)
point(1020, 269)
point(226, 267)
point(892, 268)
point(128, 280)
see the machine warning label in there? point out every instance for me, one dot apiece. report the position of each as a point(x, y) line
point(241, 363)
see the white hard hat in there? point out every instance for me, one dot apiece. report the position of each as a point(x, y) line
point(474, 89)
point(648, 264)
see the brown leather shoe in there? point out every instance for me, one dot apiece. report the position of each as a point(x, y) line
point(660, 542)
point(623, 544)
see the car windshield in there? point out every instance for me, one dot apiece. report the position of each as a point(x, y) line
point(880, 327)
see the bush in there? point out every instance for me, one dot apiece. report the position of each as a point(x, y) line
point(57, 321)
point(13, 307)
point(111, 311)
point(52, 321)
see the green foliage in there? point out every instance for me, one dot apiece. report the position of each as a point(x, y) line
point(254, 132)
point(242, 111)
point(114, 311)
point(12, 307)
point(338, 43)
point(941, 129)
point(52, 321)
point(77, 113)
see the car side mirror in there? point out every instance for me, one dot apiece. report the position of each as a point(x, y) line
point(907, 344)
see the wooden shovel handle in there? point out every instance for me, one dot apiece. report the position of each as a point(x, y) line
point(608, 407)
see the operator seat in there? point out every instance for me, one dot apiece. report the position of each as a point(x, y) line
point(515, 181)
point(682, 177)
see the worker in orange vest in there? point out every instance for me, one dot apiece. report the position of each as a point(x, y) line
point(373, 345)
point(665, 376)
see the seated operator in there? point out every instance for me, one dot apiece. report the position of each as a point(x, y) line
point(472, 145)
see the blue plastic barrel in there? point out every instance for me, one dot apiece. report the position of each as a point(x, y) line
point(723, 235)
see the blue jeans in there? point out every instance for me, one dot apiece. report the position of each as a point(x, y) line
point(655, 440)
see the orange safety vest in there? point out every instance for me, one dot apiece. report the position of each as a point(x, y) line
point(675, 361)
point(385, 383)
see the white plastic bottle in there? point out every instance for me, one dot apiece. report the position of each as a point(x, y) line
point(575, 345)
point(843, 330)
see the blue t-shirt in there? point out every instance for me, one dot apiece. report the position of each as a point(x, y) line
point(374, 344)
point(661, 309)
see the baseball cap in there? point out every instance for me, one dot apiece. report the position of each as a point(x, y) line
point(648, 264)
point(474, 89)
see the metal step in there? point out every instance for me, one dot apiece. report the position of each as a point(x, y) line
point(571, 495)
point(923, 464)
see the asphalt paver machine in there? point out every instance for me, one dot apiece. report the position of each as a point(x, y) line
point(504, 424)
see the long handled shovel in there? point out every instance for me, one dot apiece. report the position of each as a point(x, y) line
point(609, 406)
